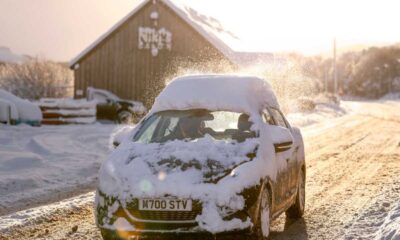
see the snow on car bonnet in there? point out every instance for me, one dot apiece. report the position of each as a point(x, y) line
point(216, 92)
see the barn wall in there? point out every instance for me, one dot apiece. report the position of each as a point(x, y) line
point(118, 65)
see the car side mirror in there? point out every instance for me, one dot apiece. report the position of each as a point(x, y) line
point(119, 135)
point(282, 138)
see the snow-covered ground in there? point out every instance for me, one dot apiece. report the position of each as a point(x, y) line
point(380, 220)
point(45, 162)
point(390, 228)
point(48, 163)
point(321, 113)
point(32, 215)
point(41, 164)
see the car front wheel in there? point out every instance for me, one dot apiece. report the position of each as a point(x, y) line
point(262, 228)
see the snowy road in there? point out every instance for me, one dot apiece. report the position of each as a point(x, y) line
point(353, 184)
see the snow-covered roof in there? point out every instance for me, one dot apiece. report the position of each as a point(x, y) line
point(243, 94)
point(209, 27)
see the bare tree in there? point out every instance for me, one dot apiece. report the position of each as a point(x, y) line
point(37, 78)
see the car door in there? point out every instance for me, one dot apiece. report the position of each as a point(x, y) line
point(294, 165)
point(281, 184)
point(289, 157)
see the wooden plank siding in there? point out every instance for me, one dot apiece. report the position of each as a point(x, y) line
point(118, 65)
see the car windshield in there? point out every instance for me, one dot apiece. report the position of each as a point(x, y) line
point(193, 124)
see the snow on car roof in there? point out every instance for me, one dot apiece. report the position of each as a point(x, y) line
point(243, 94)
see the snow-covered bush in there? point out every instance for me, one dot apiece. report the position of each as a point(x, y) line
point(37, 78)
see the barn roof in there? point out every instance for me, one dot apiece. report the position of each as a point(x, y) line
point(210, 28)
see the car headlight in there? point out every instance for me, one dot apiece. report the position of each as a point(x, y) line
point(108, 182)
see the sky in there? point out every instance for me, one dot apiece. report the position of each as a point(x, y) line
point(61, 29)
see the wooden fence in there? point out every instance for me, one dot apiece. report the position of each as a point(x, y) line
point(67, 111)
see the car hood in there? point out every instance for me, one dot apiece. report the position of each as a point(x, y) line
point(207, 158)
point(185, 163)
point(212, 170)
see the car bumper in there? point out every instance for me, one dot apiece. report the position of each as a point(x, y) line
point(172, 234)
point(157, 224)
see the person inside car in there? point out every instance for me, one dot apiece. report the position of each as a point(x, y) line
point(244, 129)
point(190, 128)
point(187, 128)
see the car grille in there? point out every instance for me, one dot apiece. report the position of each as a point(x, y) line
point(165, 215)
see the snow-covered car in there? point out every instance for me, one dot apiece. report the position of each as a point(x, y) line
point(214, 155)
point(8, 112)
point(111, 107)
point(20, 110)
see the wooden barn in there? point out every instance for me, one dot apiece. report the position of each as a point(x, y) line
point(154, 42)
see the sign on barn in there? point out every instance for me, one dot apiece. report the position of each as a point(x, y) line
point(155, 39)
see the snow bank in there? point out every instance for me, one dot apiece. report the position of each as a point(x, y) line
point(34, 215)
point(50, 162)
point(321, 113)
point(216, 92)
point(27, 111)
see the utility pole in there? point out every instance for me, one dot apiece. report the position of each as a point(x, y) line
point(335, 86)
point(326, 79)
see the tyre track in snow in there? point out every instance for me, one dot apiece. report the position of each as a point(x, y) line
point(359, 164)
point(350, 166)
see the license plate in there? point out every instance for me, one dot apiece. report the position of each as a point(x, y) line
point(165, 204)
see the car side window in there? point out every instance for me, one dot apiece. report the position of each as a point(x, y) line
point(268, 118)
point(172, 124)
point(147, 136)
point(279, 119)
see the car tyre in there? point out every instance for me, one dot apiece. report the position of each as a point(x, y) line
point(124, 117)
point(109, 235)
point(262, 228)
point(297, 209)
